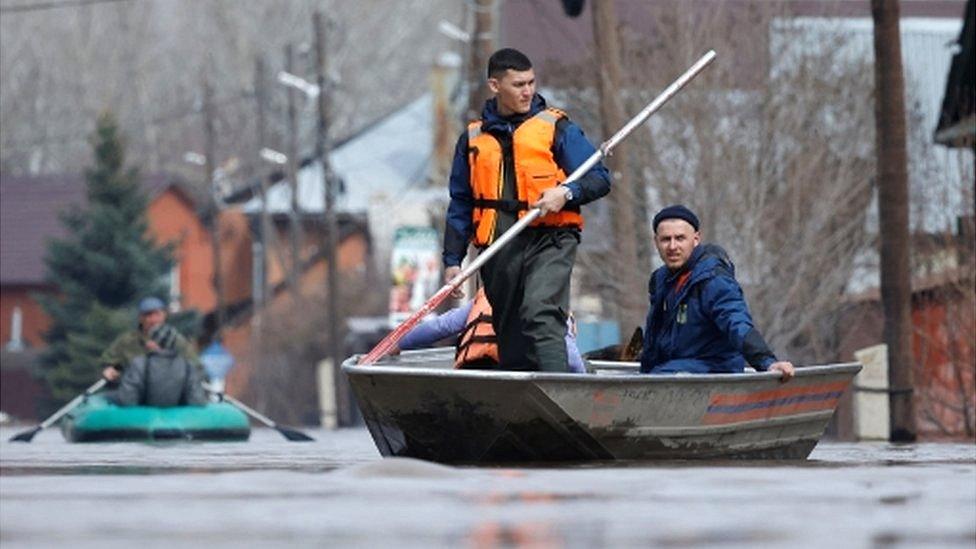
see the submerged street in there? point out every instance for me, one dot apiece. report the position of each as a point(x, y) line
point(338, 492)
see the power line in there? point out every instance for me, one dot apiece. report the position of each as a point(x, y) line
point(22, 8)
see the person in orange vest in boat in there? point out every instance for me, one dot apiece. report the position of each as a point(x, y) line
point(477, 346)
point(698, 320)
point(516, 157)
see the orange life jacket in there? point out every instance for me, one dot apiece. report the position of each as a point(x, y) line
point(535, 171)
point(477, 345)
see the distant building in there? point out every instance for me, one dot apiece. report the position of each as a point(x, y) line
point(957, 119)
point(30, 209)
point(944, 365)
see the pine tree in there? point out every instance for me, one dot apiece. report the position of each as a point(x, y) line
point(105, 264)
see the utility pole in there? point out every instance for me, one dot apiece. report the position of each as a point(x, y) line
point(892, 170)
point(629, 274)
point(331, 224)
point(294, 216)
point(211, 167)
point(443, 77)
point(261, 297)
point(482, 46)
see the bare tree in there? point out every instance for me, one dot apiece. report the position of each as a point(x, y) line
point(284, 381)
point(626, 234)
point(774, 152)
point(143, 59)
point(944, 300)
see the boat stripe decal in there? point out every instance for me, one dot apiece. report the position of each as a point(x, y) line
point(730, 408)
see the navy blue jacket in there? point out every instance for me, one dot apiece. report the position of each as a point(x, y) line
point(704, 327)
point(570, 150)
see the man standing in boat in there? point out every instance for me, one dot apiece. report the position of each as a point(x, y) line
point(514, 158)
point(151, 335)
point(698, 321)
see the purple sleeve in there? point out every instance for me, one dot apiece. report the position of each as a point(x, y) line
point(431, 331)
point(573, 354)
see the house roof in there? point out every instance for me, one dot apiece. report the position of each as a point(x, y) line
point(391, 157)
point(957, 119)
point(953, 278)
point(30, 215)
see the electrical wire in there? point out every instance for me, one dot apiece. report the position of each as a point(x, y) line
point(39, 6)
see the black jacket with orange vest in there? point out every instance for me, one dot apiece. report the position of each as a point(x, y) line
point(546, 147)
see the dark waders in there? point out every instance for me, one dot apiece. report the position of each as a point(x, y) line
point(527, 284)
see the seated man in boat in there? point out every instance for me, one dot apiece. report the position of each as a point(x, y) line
point(152, 334)
point(154, 365)
point(160, 378)
point(698, 321)
point(477, 345)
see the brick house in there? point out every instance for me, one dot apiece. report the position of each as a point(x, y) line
point(30, 208)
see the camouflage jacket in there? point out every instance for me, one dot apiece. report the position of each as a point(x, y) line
point(132, 344)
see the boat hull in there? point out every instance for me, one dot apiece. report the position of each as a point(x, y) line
point(417, 406)
point(97, 420)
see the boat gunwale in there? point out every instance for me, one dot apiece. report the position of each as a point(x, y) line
point(351, 367)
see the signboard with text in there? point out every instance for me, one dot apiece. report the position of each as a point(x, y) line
point(415, 269)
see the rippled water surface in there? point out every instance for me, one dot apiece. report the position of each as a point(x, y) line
point(338, 492)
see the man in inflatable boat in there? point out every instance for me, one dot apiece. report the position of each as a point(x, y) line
point(153, 365)
point(698, 321)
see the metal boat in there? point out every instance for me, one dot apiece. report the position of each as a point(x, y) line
point(416, 405)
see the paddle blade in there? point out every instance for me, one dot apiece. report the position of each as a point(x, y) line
point(293, 435)
point(394, 337)
point(26, 436)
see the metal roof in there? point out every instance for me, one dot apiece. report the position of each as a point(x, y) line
point(390, 158)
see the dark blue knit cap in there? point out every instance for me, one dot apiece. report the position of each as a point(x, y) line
point(150, 304)
point(677, 211)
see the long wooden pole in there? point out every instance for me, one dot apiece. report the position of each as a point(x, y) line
point(267, 231)
point(210, 163)
point(481, 47)
point(343, 408)
point(892, 169)
point(295, 214)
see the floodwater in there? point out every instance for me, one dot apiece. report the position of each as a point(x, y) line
point(338, 492)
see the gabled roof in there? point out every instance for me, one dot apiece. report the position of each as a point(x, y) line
point(957, 119)
point(30, 208)
point(389, 157)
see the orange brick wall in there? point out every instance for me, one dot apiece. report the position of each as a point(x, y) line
point(235, 256)
point(172, 219)
point(945, 365)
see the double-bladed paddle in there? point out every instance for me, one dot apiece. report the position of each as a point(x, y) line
point(26, 436)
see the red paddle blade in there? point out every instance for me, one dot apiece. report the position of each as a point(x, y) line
point(394, 337)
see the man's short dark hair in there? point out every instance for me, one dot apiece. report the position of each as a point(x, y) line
point(505, 59)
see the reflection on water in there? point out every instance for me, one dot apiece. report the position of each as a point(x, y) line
point(337, 492)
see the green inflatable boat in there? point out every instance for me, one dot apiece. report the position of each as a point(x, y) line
point(98, 420)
